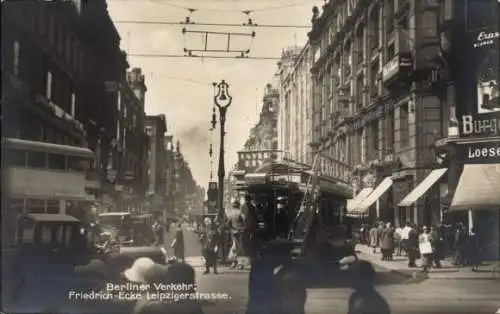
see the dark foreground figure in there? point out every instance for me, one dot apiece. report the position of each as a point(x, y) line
point(278, 284)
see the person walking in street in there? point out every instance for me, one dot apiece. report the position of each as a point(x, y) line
point(474, 250)
point(210, 241)
point(365, 299)
point(387, 242)
point(411, 245)
point(380, 230)
point(178, 243)
point(397, 241)
point(437, 247)
point(460, 245)
point(405, 232)
point(237, 226)
point(425, 247)
point(158, 232)
point(374, 238)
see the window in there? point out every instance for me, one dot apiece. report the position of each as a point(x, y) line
point(403, 127)
point(374, 29)
point(119, 104)
point(391, 52)
point(359, 45)
point(118, 130)
point(125, 112)
point(35, 206)
point(15, 61)
point(359, 91)
point(134, 120)
point(389, 148)
point(374, 130)
point(37, 160)
point(76, 164)
point(373, 80)
point(52, 207)
point(16, 158)
point(49, 87)
point(73, 104)
point(389, 18)
point(363, 146)
point(56, 162)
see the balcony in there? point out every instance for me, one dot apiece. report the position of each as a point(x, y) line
point(48, 183)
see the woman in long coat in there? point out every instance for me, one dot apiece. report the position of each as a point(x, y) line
point(387, 242)
point(374, 238)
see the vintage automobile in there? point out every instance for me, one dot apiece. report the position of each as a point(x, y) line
point(42, 261)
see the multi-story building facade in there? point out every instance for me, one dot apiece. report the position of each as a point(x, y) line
point(155, 127)
point(56, 110)
point(295, 114)
point(470, 150)
point(376, 110)
point(263, 138)
point(131, 142)
point(170, 173)
point(185, 184)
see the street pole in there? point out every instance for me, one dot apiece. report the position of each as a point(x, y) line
point(222, 100)
point(221, 172)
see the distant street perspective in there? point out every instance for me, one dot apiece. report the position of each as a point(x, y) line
point(250, 156)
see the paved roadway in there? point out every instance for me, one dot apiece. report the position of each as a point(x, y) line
point(432, 296)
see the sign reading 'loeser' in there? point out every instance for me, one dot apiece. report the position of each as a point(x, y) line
point(481, 152)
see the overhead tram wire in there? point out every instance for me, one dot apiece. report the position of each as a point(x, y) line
point(212, 24)
point(145, 55)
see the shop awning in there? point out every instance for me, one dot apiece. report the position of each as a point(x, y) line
point(354, 202)
point(478, 188)
point(375, 195)
point(423, 187)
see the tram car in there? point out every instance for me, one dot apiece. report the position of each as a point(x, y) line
point(313, 223)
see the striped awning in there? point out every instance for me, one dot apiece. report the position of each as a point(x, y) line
point(354, 202)
point(423, 187)
point(375, 195)
point(478, 188)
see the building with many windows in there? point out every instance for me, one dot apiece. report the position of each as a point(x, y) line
point(155, 127)
point(376, 108)
point(58, 119)
point(295, 114)
point(131, 141)
point(264, 135)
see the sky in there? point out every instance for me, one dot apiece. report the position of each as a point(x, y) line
point(181, 88)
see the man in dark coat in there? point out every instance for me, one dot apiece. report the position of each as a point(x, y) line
point(210, 241)
point(412, 247)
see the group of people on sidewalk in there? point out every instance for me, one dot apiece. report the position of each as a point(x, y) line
point(432, 244)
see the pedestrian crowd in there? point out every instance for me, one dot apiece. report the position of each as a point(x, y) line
point(431, 245)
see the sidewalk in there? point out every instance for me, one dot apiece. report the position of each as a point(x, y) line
point(448, 270)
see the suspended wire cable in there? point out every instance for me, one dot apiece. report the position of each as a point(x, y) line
point(145, 55)
point(175, 78)
point(269, 8)
point(211, 24)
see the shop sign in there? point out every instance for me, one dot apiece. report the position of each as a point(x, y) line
point(485, 38)
point(398, 63)
point(479, 127)
point(381, 108)
point(481, 152)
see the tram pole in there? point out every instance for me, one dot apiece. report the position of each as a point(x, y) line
point(222, 100)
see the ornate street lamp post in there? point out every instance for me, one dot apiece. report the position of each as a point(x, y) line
point(222, 100)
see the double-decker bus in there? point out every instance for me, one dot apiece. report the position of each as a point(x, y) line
point(40, 177)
